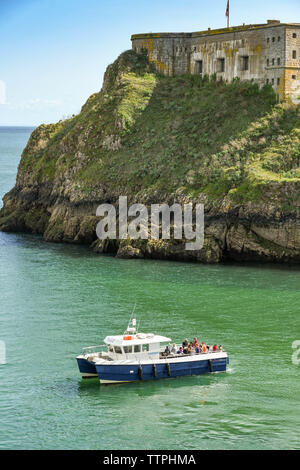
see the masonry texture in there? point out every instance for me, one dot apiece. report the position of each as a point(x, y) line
point(265, 53)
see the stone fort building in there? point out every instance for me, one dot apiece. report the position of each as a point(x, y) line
point(265, 53)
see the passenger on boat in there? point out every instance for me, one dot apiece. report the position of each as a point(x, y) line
point(215, 348)
point(203, 347)
point(185, 343)
point(196, 342)
point(167, 351)
point(197, 349)
point(174, 349)
point(180, 350)
point(220, 347)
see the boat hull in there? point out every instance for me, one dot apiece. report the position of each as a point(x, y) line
point(86, 368)
point(119, 373)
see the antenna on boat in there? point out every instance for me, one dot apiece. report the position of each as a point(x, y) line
point(133, 310)
point(131, 328)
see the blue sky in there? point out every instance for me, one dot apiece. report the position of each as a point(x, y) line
point(53, 53)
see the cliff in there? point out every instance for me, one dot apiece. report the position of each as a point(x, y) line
point(159, 139)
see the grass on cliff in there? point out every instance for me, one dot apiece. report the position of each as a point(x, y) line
point(146, 132)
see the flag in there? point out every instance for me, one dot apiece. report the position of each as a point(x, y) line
point(227, 9)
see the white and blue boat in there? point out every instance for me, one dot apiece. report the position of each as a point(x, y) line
point(134, 357)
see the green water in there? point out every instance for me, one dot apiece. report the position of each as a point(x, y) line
point(57, 298)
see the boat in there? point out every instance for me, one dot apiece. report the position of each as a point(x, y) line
point(136, 357)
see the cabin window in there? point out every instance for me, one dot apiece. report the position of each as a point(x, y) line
point(245, 62)
point(110, 349)
point(199, 66)
point(127, 349)
point(294, 55)
point(137, 348)
point(118, 350)
point(221, 65)
point(146, 347)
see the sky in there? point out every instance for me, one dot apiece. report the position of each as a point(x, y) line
point(53, 53)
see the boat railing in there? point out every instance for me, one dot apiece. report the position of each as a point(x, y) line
point(188, 354)
point(94, 349)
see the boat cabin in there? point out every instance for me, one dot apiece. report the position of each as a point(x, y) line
point(135, 346)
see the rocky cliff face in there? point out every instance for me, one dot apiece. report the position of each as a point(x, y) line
point(159, 139)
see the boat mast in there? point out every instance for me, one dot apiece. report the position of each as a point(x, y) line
point(131, 328)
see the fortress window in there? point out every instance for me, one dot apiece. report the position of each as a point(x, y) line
point(221, 65)
point(273, 39)
point(278, 61)
point(273, 61)
point(294, 55)
point(245, 62)
point(272, 81)
point(294, 35)
point(268, 40)
point(199, 66)
point(294, 77)
point(268, 81)
point(279, 38)
point(278, 81)
point(268, 62)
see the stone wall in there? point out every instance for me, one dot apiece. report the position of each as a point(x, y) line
point(292, 65)
point(263, 53)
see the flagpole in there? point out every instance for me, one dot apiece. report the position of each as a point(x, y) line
point(227, 13)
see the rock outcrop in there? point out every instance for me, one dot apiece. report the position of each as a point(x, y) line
point(164, 140)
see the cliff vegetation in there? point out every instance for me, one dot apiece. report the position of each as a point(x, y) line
point(162, 139)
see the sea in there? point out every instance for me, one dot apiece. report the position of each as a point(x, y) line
point(57, 298)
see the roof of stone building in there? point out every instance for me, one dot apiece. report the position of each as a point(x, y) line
point(212, 32)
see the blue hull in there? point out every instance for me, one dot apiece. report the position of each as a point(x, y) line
point(132, 373)
point(86, 368)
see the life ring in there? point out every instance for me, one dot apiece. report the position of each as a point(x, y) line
point(127, 338)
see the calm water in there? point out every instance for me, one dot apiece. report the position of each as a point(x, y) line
point(57, 298)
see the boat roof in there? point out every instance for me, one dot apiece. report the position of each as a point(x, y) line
point(139, 338)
